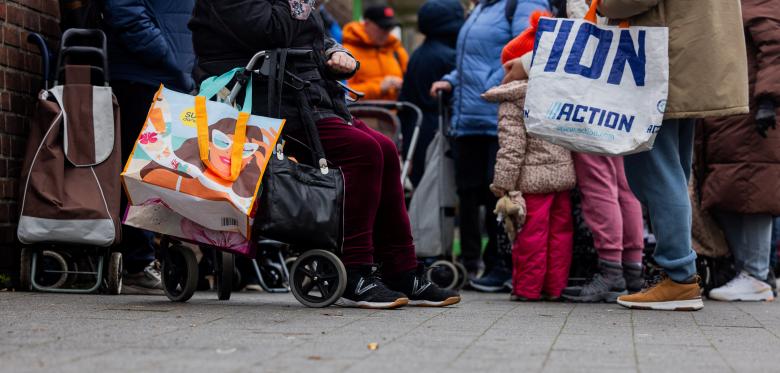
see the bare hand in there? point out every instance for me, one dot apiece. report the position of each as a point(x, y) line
point(341, 62)
point(514, 70)
point(441, 85)
point(390, 83)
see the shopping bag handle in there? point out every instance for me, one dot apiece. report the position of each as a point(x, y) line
point(590, 16)
point(239, 137)
point(212, 85)
point(208, 89)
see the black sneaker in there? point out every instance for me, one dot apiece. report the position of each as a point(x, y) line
point(366, 290)
point(422, 292)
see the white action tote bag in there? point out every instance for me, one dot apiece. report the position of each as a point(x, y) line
point(597, 89)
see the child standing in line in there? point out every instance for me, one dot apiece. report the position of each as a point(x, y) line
point(543, 174)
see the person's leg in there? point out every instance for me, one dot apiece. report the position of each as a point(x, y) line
point(361, 160)
point(469, 196)
point(529, 253)
point(559, 247)
point(134, 100)
point(659, 180)
point(598, 180)
point(633, 232)
point(393, 243)
point(490, 255)
point(601, 210)
point(749, 237)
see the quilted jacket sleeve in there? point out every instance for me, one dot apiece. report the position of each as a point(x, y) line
point(762, 24)
point(512, 140)
point(138, 32)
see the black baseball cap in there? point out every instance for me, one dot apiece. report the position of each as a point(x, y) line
point(383, 16)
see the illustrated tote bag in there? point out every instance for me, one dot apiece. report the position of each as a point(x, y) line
point(597, 89)
point(200, 159)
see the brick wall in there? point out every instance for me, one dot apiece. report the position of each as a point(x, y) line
point(20, 79)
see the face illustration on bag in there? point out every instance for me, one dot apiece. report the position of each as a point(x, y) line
point(220, 149)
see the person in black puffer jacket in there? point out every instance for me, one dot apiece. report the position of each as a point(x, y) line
point(226, 34)
point(440, 21)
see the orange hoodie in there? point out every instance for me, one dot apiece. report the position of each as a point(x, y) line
point(376, 62)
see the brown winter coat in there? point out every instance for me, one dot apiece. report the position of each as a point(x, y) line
point(707, 72)
point(524, 163)
point(740, 169)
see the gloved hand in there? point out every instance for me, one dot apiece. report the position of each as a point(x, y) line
point(765, 116)
point(512, 208)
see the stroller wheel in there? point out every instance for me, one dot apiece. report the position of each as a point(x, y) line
point(180, 273)
point(25, 269)
point(463, 275)
point(224, 270)
point(444, 274)
point(318, 278)
point(114, 274)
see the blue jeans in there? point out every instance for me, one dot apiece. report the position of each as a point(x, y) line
point(659, 179)
point(775, 241)
point(749, 237)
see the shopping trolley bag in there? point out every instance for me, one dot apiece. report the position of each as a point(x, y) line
point(201, 160)
point(597, 89)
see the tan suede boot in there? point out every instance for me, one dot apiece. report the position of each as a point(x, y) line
point(666, 295)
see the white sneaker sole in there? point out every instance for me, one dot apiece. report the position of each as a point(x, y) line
point(764, 296)
point(400, 302)
point(427, 303)
point(676, 305)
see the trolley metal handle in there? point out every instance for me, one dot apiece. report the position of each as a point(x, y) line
point(38, 40)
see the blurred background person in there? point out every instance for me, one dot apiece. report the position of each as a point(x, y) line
point(382, 57)
point(439, 21)
point(489, 27)
point(148, 44)
point(740, 159)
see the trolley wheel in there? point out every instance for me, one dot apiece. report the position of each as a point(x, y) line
point(224, 270)
point(179, 273)
point(25, 269)
point(52, 260)
point(318, 278)
point(463, 275)
point(444, 274)
point(114, 273)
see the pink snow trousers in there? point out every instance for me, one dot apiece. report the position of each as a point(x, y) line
point(541, 254)
point(609, 208)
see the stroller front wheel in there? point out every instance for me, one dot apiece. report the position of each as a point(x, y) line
point(318, 278)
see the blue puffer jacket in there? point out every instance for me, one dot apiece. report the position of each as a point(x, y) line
point(478, 67)
point(149, 42)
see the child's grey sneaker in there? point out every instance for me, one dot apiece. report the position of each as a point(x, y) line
point(147, 282)
point(606, 286)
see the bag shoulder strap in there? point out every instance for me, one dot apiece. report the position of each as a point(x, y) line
point(509, 11)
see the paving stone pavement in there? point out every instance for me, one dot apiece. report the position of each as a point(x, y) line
point(274, 333)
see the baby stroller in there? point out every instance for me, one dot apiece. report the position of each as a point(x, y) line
point(316, 277)
point(70, 190)
point(432, 210)
point(381, 115)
